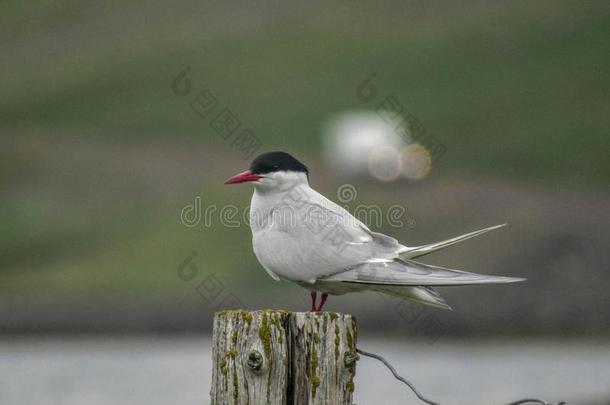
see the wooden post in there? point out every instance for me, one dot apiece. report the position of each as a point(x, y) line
point(280, 358)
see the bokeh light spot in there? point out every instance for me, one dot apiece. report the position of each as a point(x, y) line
point(415, 161)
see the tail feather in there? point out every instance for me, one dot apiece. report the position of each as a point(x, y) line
point(416, 251)
point(422, 295)
point(401, 272)
point(405, 278)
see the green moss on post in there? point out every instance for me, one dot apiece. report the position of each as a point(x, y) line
point(262, 378)
point(278, 358)
point(319, 343)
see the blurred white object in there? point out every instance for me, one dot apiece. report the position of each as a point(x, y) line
point(350, 138)
point(384, 163)
point(361, 143)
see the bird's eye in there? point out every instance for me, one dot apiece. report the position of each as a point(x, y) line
point(275, 167)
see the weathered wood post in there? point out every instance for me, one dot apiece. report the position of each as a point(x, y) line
point(279, 358)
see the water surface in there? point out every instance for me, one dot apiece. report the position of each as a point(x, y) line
point(177, 371)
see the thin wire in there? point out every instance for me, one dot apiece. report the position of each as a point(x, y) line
point(430, 402)
point(397, 376)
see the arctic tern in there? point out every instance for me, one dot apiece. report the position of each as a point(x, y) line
point(301, 236)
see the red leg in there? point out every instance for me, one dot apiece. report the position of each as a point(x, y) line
point(314, 296)
point(322, 301)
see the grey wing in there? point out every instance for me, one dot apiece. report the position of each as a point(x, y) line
point(408, 272)
point(382, 246)
point(326, 239)
point(348, 242)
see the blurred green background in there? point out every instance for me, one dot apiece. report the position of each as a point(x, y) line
point(100, 156)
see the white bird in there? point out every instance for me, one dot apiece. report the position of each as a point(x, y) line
point(301, 236)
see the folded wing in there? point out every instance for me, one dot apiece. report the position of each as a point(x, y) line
point(410, 273)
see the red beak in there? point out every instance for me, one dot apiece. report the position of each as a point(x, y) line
point(243, 177)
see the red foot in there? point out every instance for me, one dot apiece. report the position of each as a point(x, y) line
point(314, 296)
point(322, 301)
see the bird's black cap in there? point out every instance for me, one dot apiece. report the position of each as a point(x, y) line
point(276, 161)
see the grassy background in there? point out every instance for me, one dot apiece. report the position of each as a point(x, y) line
point(514, 89)
point(99, 156)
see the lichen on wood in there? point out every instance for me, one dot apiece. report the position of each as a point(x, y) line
point(277, 357)
point(238, 377)
point(319, 342)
